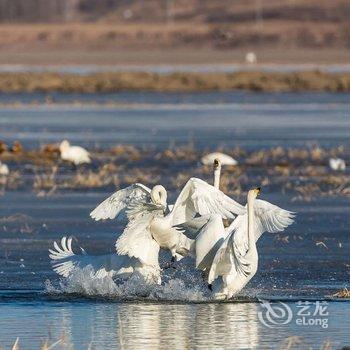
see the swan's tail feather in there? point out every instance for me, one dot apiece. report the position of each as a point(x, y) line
point(62, 257)
point(65, 262)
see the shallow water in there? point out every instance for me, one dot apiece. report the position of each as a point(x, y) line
point(162, 326)
point(164, 69)
point(293, 266)
point(208, 120)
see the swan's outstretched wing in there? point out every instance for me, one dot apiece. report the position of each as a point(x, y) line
point(209, 239)
point(268, 217)
point(198, 197)
point(65, 261)
point(120, 200)
point(193, 227)
point(222, 261)
point(230, 256)
point(229, 261)
point(137, 241)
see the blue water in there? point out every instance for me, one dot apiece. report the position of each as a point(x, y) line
point(164, 69)
point(162, 326)
point(159, 120)
point(180, 316)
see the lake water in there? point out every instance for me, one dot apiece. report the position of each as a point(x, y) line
point(35, 305)
point(156, 119)
point(165, 69)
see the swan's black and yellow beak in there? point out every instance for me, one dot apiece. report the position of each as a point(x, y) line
point(216, 163)
point(257, 190)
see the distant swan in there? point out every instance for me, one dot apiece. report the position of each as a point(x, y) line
point(75, 154)
point(217, 172)
point(4, 169)
point(225, 159)
point(337, 164)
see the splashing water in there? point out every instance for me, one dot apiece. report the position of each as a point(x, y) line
point(178, 284)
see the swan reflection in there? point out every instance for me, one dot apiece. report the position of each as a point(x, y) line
point(163, 326)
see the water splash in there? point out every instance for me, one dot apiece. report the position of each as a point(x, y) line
point(177, 285)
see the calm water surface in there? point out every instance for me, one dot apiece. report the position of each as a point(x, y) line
point(156, 119)
point(162, 326)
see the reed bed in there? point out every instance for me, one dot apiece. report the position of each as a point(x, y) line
point(302, 173)
point(173, 82)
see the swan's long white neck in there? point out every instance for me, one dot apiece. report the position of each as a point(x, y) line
point(217, 174)
point(251, 224)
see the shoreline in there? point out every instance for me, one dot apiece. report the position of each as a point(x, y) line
point(109, 82)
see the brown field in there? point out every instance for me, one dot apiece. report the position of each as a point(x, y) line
point(137, 43)
point(191, 31)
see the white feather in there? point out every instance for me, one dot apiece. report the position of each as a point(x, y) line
point(268, 218)
point(65, 261)
point(137, 241)
point(119, 201)
point(198, 197)
point(225, 159)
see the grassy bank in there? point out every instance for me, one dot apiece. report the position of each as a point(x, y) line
point(142, 81)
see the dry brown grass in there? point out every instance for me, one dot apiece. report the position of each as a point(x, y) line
point(63, 341)
point(91, 179)
point(142, 81)
point(296, 343)
point(213, 34)
point(344, 293)
point(45, 183)
point(303, 173)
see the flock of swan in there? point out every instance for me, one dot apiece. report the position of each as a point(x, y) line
point(216, 232)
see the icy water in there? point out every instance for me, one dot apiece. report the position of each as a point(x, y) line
point(308, 263)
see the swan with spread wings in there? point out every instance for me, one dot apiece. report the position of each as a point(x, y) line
point(137, 251)
point(196, 198)
point(229, 255)
point(151, 225)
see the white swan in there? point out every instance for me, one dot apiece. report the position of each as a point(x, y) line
point(225, 159)
point(251, 58)
point(229, 254)
point(137, 250)
point(65, 262)
point(196, 198)
point(75, 154)
point(236, 266)
point(147, 230)
point(337, 164)
point(4, 169)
